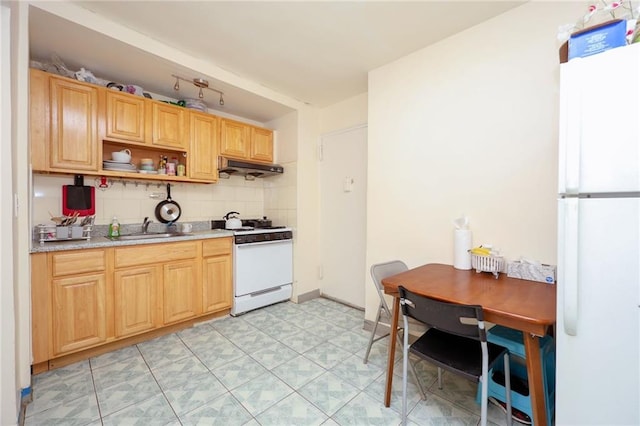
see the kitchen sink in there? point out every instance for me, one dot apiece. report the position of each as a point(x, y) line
point(147, 235)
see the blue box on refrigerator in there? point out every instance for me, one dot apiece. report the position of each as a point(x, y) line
point(597, 39)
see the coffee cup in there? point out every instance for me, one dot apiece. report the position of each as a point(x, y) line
point(123, 156)
point(186, 227)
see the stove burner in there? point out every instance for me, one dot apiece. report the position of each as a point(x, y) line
point(247, 225)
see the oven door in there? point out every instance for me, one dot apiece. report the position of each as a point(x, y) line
point(262, 266)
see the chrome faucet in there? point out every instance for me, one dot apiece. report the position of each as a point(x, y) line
point(145, 224)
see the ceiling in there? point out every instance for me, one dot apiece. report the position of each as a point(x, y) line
point(316, 52)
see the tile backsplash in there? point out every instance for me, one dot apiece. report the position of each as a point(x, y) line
point(132, 201)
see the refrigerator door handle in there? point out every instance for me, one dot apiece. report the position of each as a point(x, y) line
point(570, 277)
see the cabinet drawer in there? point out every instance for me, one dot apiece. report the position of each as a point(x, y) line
point(77, 262)
point(216, 247)
point(154, 253)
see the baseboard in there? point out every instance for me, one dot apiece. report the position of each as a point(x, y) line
point(380, 330)
point(308, 296)
point(26, 396)
point(342, 302)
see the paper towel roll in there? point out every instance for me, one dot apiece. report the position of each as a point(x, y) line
point(461, 247)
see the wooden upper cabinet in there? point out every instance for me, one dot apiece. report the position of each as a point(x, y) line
point(261, 144)
point(246, 142)
point(168, 126)
point(202, 160)
point(125, 117)
point(39, 119)
point(74, 125)
point(234, 139)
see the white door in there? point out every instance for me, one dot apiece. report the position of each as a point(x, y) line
point(343, 219)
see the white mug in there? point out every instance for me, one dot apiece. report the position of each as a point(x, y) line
point(186, 227)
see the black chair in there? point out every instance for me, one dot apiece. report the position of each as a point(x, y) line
point(456, 341)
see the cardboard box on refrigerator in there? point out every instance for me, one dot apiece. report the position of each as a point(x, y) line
point(532, 271)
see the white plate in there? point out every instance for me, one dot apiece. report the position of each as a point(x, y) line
point(115, 162)
point(122, 169)
point(148, 172)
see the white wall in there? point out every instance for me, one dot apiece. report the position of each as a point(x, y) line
point(15, 337)
point(342, 115)
point(468, 125)
point(8, 331)
point(305, 265)
point(280, 200)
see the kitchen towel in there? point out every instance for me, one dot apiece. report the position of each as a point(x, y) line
point(461, 247)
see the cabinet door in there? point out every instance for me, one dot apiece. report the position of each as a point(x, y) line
point(136, 302)
point(39, 119)
point(262, 144)
point(168, 126)
point(79, 312)
point(202, 162)
point(180, 291)
point(74, 126)
point(216, 283)
point(234, 139)
point(125, 117)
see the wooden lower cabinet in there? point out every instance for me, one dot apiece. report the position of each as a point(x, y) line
point(136, 300)
point(79, 312)
point(180, 291)
point(217, 281)
point(84, 299)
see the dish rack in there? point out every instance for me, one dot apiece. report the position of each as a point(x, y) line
point(63, 233)
point(491, 263)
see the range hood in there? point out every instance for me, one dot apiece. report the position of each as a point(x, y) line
point(229, 166)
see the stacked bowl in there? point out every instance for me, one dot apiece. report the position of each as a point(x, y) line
point(146, 166)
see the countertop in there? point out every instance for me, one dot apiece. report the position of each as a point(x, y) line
point(102, 241)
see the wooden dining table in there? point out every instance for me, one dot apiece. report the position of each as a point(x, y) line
point(523, 305)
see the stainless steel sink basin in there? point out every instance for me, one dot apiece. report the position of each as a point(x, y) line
point(147, 235)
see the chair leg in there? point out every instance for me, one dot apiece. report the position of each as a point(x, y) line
point(373, 335)
point(405, 362)
point(414, 373)
point(439, 378)
point(507, 386)
point(484, 383)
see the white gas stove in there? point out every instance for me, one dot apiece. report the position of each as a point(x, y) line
point(262, 267)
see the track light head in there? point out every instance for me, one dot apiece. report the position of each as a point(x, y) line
point(200, 83)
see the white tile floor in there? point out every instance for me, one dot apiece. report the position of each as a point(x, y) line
point(286, 364)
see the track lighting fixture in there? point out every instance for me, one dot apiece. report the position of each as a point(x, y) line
point(199, 83)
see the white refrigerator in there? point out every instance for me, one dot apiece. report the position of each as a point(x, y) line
point(598, 305)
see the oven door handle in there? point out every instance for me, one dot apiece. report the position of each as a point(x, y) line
point(262, 243)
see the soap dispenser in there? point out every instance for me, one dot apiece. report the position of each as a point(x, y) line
point(114, 228)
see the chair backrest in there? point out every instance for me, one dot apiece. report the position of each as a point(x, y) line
point(380, 271)
point(463, 320)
